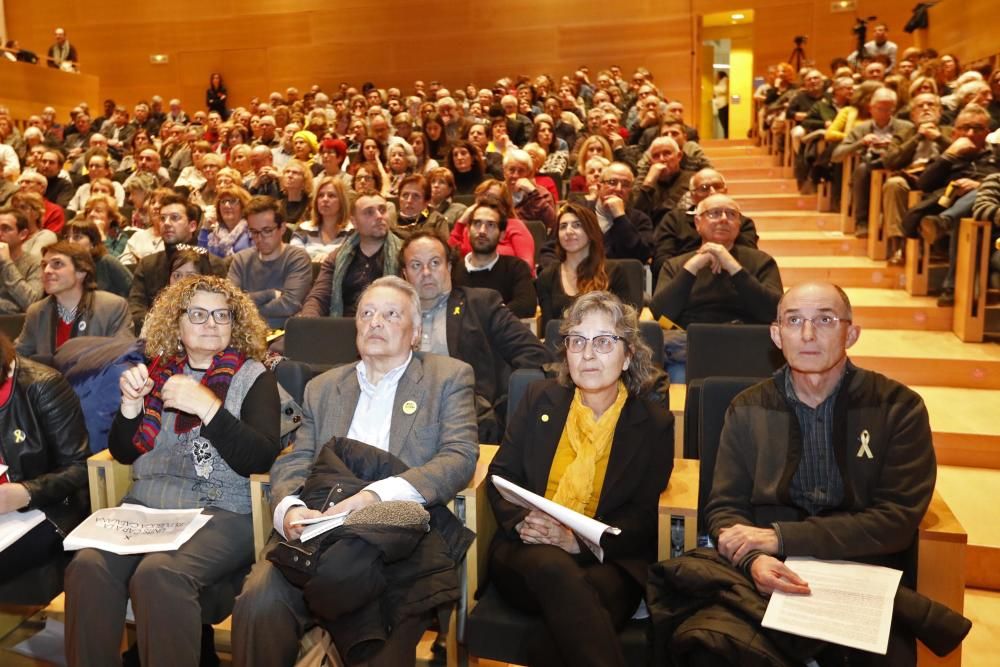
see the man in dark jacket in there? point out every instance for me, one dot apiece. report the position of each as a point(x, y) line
point(178, 222)
point(676, 233)
point(850, 481)
point(470, 324)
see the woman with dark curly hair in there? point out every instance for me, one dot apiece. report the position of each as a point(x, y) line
point(581, 267)
point(194, 424)
point(591, 442)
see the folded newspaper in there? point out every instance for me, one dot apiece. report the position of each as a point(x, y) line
point(134, 529)
point(318, 525)
point(587, 529)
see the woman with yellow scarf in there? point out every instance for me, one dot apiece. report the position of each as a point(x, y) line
point(587, 440)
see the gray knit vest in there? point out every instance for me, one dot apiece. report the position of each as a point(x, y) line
point(184, 471)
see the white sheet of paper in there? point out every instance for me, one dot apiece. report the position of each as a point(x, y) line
point(319, 519)
point(317, 529)
point(588, 529)
point(15, 525)
point(849, 604)
point(134, 529)
point(3, 468)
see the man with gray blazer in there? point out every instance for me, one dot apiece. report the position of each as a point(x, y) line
point(418, 407)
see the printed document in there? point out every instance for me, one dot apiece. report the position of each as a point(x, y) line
point(134, 529)
point(587, 529)
point(849, 604)
point(15, 525)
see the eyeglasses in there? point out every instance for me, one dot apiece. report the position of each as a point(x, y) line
point(824, 321)
point(705, 188)
point(602, 344)
point(257, 233)
point(617, 182)
point(716, 214)
point(200, 315)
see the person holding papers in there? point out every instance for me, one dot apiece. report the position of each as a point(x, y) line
point(418, 407)
point(826, 460)
point(195, 423)
point(588, 441)
point(43, 460)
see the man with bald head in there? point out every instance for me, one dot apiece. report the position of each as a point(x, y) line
point(823, 459)
point(676, 233)
point(720, 282)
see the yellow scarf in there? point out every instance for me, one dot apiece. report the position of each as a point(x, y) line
point(590, 440)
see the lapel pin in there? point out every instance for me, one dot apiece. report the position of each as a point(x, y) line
point(82, 326)
point(864, 450)
point(457, 311)
point(545, 418)
point(409, 407)
point(19, 436)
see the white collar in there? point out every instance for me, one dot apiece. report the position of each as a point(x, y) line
point(390, 378)
point(471, 268)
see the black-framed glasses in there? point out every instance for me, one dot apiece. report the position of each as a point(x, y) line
point(602, 344)
point(257, 233)
point(716, 214)
point(824, 321)
point(200, 315)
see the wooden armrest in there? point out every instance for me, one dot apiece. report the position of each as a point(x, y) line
point(941, 567)
point(260, 510)
point(679, 500)
point(473, 507)
point(108, 480)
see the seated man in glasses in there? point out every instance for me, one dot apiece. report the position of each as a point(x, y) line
point(676, 233)
point(827, 460)
point(275, 275)
point(719, 282)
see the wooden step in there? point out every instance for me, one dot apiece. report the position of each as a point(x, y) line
point(795, 221)
point(970, 493)
point(846, 271)
point(724, 143)
point(811, 243)
point(724, 164)
point(792, 201)
point(765, 169)
point(734, 151)
point(876, 308)
point(966, 432)
point(929, 358)
point(761, 186)
point(982, 607)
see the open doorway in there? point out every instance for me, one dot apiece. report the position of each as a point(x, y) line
point(726, 66)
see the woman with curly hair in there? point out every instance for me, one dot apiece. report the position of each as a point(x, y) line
point(590, 441)
point(581, 267)
point(194, 424)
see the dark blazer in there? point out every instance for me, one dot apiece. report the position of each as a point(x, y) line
point(100, 314)
point(483, 333)
point(152, 274)
point(639, 467)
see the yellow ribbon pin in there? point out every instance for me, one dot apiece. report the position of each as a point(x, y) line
point(409, 407)
point(545, 418)
point(19, 436)
point(457, 311)
point(864, 449)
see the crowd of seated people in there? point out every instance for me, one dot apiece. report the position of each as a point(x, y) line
point(931, 124)
point(436, 220)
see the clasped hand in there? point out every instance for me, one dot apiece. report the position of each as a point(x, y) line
point(180, 392)
point(716, 257)
point(540, 528)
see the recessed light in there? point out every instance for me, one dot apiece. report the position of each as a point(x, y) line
point(738, 17)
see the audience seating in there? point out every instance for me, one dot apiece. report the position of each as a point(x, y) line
point(972, 273)
point(724, 350)
point(847, 222)
point(878, 235)
point(468, 200)
point(941, 541)
point(540, 234)
point(321, 341)
point(635, 276)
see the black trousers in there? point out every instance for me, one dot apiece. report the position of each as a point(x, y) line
point(582, 602)
point(35, 548)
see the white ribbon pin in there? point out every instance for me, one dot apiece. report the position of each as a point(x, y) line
point(864, 449)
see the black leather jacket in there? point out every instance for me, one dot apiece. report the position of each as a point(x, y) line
point(44, 442)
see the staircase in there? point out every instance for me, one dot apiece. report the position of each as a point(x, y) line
point(907, 338)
